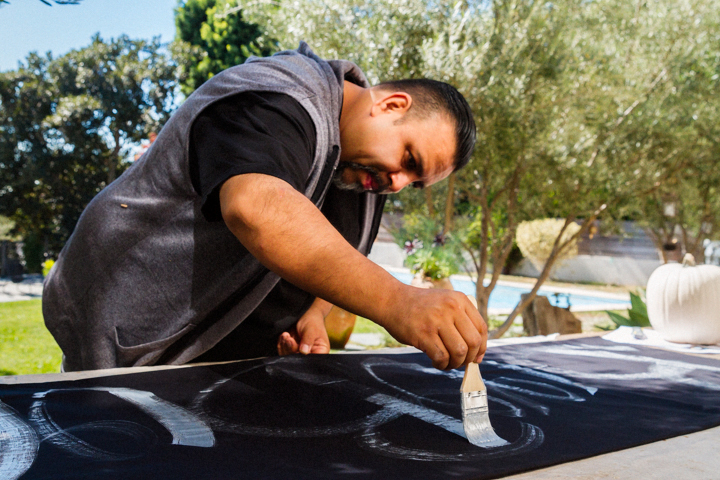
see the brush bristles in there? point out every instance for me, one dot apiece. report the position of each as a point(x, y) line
point(476, 420)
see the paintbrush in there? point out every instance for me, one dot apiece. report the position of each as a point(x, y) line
point(476, 421)
point(473, 400)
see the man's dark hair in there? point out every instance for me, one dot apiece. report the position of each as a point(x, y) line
point(431, 97)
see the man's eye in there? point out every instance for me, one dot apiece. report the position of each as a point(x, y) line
point(411, 163)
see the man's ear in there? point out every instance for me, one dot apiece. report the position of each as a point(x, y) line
point(387, 102)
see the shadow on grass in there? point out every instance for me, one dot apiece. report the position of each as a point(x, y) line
point(7, 372)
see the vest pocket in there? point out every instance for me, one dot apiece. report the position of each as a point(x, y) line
point(145, 353)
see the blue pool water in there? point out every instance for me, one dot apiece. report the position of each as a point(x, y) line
point(506, 297)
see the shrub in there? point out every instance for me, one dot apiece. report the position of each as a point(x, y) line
point(535, 239)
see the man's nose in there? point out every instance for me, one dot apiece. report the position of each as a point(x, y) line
point(398, 181)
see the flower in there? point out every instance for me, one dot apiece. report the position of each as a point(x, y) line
point(413, 246)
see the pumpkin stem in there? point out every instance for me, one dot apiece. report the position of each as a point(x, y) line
point(688, 260)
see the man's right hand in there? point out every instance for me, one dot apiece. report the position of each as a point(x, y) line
point(442, 323)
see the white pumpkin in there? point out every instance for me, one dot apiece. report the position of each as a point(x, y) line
point(683, 302)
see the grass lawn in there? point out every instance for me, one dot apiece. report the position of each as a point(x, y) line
point(363, 325)
point(25, 344)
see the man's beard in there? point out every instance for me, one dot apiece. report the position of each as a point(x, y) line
point(357, 187)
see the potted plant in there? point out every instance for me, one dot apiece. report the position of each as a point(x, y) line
point(432, 266)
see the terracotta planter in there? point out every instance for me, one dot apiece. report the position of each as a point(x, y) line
point(339, 324)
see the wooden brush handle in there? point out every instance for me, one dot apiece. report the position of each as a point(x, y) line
point(472, 381)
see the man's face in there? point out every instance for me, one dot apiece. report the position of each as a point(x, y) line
point(383, 151)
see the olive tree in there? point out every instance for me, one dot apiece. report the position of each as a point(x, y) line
point(581, 106)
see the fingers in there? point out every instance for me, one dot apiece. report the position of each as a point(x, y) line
point(457, 346)
point(287, 344)
point(473, 339)
point(465, 338)
point(480, 329)
point(455, 334)
point(314, 339)
point(312, 335)
point(436, 351)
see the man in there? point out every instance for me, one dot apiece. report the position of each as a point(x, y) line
point(218, 243)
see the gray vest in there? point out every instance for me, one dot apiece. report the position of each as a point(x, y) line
point(144, 278)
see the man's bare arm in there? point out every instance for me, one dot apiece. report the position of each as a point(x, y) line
point(289, 235)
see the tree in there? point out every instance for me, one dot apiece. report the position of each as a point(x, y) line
point(582, 106)
point(66, 126)
point(629, 137)
point(688, 204)
point(383, 37)
point(212, 37)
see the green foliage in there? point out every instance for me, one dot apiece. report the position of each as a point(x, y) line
point(26, 347)
point(637, 313)
point(6, 227)
point(212, 36)
point(33, 249)
point(66, 127)
point(385, 38)
point(430, 252)
point(433, 262)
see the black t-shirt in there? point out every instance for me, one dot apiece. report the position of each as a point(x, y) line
point(251, 132)
point(272, 134)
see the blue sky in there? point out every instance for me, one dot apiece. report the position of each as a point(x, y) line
point(30, 25)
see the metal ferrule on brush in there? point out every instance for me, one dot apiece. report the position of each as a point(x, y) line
point(474, 403)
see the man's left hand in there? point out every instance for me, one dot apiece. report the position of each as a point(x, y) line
point(307, 336)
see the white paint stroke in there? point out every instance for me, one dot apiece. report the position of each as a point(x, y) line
point(528, 402)
point(657, 368)
point(51, 432)
point(512, 410)
point(446, 422)
point(18, 444)
point(370, 364)
point(531, 437)
point(506, 383)
point(186, 427)
point(541, 374)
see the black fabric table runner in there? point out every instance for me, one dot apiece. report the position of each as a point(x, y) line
point(355, 416)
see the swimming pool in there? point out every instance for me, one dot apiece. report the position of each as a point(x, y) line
point(504, 297)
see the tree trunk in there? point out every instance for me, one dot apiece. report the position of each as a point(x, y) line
point(655, 237)
point(113, 159)
point(450, 204)
point(429, 201)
